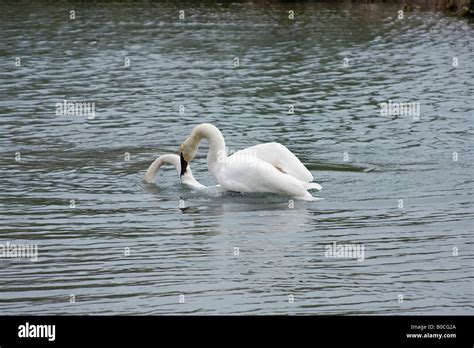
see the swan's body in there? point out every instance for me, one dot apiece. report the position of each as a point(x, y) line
point(269, 167)
point(187, 178)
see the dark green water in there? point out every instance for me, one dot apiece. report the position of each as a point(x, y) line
point(366, 162)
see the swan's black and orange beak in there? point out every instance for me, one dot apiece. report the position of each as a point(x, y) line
point(184, 164)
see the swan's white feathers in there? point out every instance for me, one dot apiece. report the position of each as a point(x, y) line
point(269, 167)
point(280, 157)
point(243, 173)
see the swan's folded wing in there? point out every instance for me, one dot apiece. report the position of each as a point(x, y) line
point(252, 174)
point(280, 157)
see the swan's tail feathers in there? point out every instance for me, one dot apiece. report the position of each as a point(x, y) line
point(313, 185)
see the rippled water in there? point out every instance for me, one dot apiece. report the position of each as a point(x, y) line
point(365, 162)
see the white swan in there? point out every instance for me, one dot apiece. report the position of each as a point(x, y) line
point(269, 167)
point(187, 178)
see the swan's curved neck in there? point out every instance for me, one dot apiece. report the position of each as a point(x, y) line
point(155, 166)
point(174, 160)
point(217, 150)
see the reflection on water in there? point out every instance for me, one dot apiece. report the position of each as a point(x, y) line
point(401, 187)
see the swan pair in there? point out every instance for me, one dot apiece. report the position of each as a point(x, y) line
point(268, 167)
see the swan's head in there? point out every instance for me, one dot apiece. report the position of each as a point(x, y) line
point(184, 164)
point(188, 152)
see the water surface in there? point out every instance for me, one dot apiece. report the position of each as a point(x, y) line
point(366, 162)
